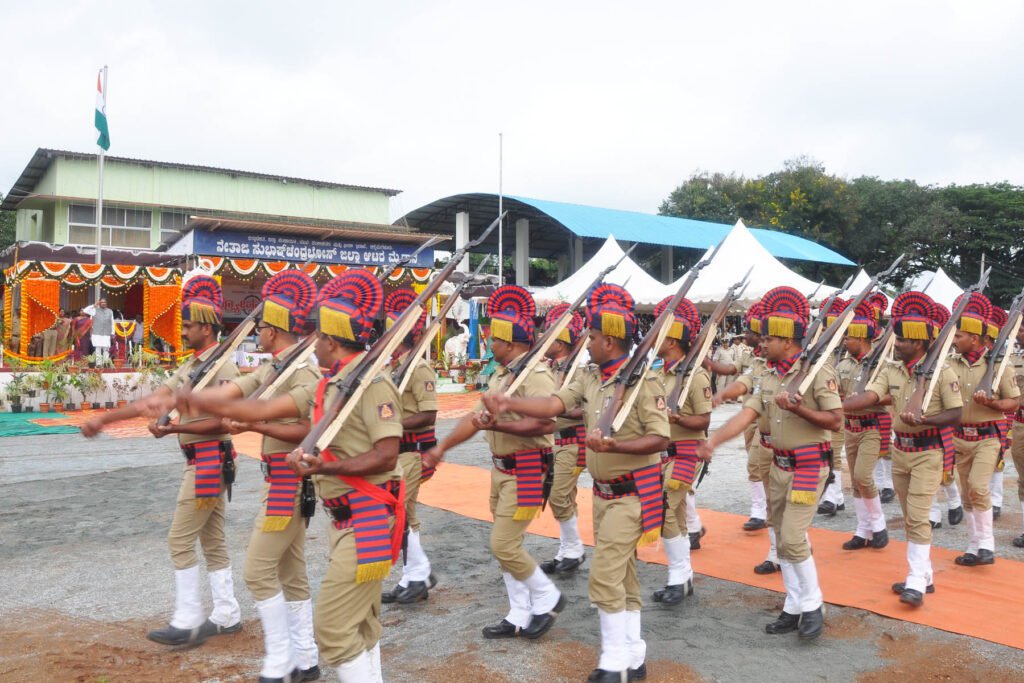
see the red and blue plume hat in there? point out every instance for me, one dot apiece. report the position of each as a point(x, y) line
point(753, 318)
point(975, 318)
point(288, 298)
point(838, 306)
point(785, 311)
point(913, 316)
point(685, 322)
point(879, 302)
point(996, 320)
point(511, 309)
point(396, 304)
point(348, 305)
point(202, 300)
point(570, 334)
point(863, 325)
point(610, 311)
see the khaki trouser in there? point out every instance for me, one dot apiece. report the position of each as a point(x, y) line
point(507, 533)
point(562, 498)
point(412, 471)
point(614, 585)
point(862, 450)
point(346, 620)
point(838, 441)
point(675, 505)
point(916, 478)
point(759, 465)
point(206, 524)
point(975, 463)
point(276, 560)
point(1017, 453)
point(790, 520)
point(49, 342)
point(751, 441)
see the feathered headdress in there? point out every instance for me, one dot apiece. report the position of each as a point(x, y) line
point(913, 316)
point(570, 334)
point(288, 298)
point(610, 311)
point(975, 318)
point(785, 312)
point(348, 305)
point(685, 322)
point(511, 309)
point(201, 300)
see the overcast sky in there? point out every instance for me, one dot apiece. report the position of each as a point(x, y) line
point(610, 104)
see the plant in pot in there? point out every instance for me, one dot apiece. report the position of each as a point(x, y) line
point(123, 388)
point(53, 379)
point(17, 389)
point(92, 386)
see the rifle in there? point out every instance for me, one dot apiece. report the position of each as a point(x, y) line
point(925, 376)
point(206, 370)
point(616, 405)
point(818, 289)
point(816, 355)
point(1008, 331)
point(684, 371)
point(284, 367)
point(352, 387)
point(401, 375)
point(519, 371)
point(873, 364)
point(819, 320)
point(705, 470)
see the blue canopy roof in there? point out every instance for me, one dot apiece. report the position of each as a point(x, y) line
point(632, 226)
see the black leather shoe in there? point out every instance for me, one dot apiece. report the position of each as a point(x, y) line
point(956, 515)
point(388, 597)
point(855, 543)
point(568, 565)
point(639, 673)
point(541, 623)
point(935, 525)
point(996, 511)
point(311, 674)
point(754, 523)
point(887, 495)
point(292, 677)
point(898, 588)
point(912, 597)
point(414, 592)
point(967, 560)
point(811, 624)
point(879, 539)
point(786, 623)
point(548, 566)
point(602, 676)
point(170, 635)
point(209, 629)
point(695, 538)
point(1018, 542)
point(827, 508)
point(674, 594)
point(986, 557)
point(505, 629)
point(767, 567)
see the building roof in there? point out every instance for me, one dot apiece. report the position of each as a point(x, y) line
point(548, 219)
point(368, 232)
point(70, 253)
point(41, 160)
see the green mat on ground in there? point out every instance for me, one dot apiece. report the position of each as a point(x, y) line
point(20, 424)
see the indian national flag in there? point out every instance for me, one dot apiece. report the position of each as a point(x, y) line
point(101, 114)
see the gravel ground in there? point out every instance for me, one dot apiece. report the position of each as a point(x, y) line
point(85, 573)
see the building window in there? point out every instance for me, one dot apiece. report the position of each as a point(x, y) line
point(121, 227)
point(172, 224)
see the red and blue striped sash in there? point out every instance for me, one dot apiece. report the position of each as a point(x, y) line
point(808, 461)
point(648, 489)
point(529, 474)
point(685, 463)
point(208, 475)
point(284, 484)
point(882, 423)
point(423, 440)
point(375, 547)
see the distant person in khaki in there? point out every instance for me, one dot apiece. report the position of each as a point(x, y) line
point(521, 453)
point(726, 355)
point(209, 470)
point(1017, 438)
point(801, 452)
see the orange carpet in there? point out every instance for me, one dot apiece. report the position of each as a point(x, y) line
point(983, 602)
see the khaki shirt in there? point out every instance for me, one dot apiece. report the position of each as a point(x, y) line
point(751, 379)
point(788, 430)
point(969, 377)
point(560, 421)
point(227, 373)
point(849, 370)
point(420, 395)
point(894, 380)
point(743, 357)
point(378, 416)
point(697, 402)
point(1017, 360)
point(539, 383)
point(648, 415)
point(300, 385)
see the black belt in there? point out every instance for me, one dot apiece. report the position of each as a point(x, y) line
point(924, 443)
point(862, 421)
point(341, 510)
point(504, 463)
point(567, 433)
point(621, 488)
point(189, 451)
point(978, 430)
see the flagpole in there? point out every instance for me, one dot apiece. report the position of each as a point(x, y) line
point(501, 240)
point(99, 197)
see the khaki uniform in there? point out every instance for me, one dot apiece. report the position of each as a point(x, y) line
point(614, 586)
point(346, 616)
point(276, 560)
point(862, 448)
point(976, 460)
point(752, 369)
point(1017, 444)
point(507, 532)
point(563, 489)
point(725, 357)
point(420, 396)
point(917, 475)
point(696, 402)
point(191, 521)
point(790, 520)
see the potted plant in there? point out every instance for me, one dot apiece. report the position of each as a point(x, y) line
point(122, 389)
point(17, 389)
point(472, 372)
point(92, 385)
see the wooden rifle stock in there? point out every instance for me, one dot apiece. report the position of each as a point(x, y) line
point(873, 364)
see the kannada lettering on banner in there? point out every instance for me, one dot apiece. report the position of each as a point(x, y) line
point(297, 250)
point(239, 299)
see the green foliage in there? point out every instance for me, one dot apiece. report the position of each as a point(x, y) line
point(7, 228)
point(871, 221)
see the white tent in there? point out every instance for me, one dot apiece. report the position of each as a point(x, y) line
point(645, 289)
point(939, 286)
point(735, 256)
